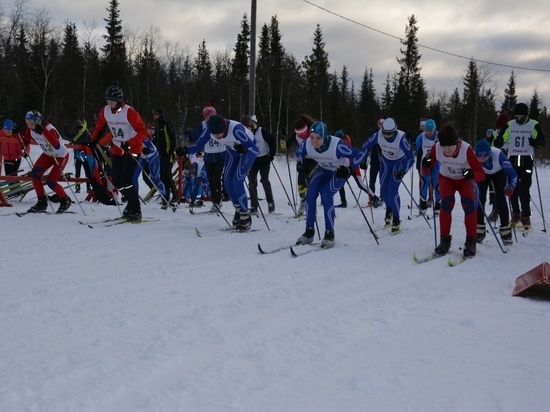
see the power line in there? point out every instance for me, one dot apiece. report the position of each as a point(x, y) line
point(425, 47)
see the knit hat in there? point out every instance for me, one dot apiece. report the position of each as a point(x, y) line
point(114, 93)
point(216, 124)
point(340, 134)
point(160, 112)
point(34, 115)
point(429, 125)
point(8, 124)
point(247, 121)
point(208, 110)
point(150, 125)
point(489, 131)
point(483, 148)
point(502, 121)
point(447, 136)
point(521, 109)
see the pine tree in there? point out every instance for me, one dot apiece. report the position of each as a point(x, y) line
point(316, 67)
point(114, 59)
point(368, 110)
point(240, 66)
point(535, 106)
point(410, 99)
point(202, 70)
point(71, 71)
point(510, 97)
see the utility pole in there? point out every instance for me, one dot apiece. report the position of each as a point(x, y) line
point(252, 74)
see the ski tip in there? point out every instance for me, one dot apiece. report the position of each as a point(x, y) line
point(198, 233)
point(293, 252)
point(260, 249)
point(415, 258)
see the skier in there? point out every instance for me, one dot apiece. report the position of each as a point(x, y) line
point(304, 167)
point(396, 160)
point(55, 155)
point(500, 173)
point(267, 145)
point(521, 136)
point(459, 169)
point(149, 161)
point(12, 150)
point(214, 154)
point(424, 143)
point(240, 152)
point(128, 131)
point(333, 168)
point(166, 144)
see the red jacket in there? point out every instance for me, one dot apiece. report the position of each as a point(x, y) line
point(13, 149)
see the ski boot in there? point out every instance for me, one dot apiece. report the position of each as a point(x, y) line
point(506, 235)
point(444, 245)
point(40, 206)
point(481, 233)
point(328, 240)
point(64, 204)
point(470, 246)
point(307, 237)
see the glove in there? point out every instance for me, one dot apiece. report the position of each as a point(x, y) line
point(125, 146)
point(25, 154)
point(398, 174)
point(271, 158)
point(300, 167)
point(342, 172)
point(363, 166)
point(181, 151)
point(533, 142)
point(92, 144)
point(427, 162)
point(145, 150)
point(283, 144)
point(38, 128)
point(239, 148)
point(468, 173)
point(508, 190)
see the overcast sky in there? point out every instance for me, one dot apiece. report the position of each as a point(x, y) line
point(509, 33)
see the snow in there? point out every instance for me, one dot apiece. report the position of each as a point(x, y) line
point(150, 317)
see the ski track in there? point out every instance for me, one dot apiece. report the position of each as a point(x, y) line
point(152, 318)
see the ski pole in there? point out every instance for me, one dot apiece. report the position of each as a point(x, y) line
point(487, 219)
point(151, 180)
point(416, 204)
point(363, 213)
point(292, 205)
point(541, 211)
point(290, 179)
point(433, 209)
point(110, 185)
point(259, 207)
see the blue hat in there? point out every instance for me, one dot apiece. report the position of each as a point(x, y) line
point(489, 131)
point(340, 133)
point(429, 125)
point(35, 116)
point(321, 129)
point(483, 148)
point(8, 124)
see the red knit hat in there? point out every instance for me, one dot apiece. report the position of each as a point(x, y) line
point(502, 121)
point(208, 110)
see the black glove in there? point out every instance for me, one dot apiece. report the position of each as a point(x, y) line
point(239, 148)
point(363, 165)
point(125, 146)
point(300, 167)
point(398, 174)
point(25, 154)
point(533, 142)
point(181, 151)
point(427, 162)
point(92, 144)
point(271, 158)
point(38, 128)
point(343, 172)
point(468, 173)
point(145, 150)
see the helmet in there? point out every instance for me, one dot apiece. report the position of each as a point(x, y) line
point(389, 126)
point(429, 125)
point(8, 124)
point(35, 116)
point(521, 109)
point(114, 93)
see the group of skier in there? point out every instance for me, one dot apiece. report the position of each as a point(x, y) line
point(503, 161)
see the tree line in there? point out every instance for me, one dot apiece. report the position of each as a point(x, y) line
point(62, 73)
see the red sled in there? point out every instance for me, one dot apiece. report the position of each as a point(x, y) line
point(534, 283)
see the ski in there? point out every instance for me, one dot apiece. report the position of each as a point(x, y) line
point(116, 221)
point(269, 251)
point(427, 258)
point(133, 222)
point(226, 229)
point(419, 215)
point(314, 248)
point(455, 262)
point(21, 214)
point(98, 222)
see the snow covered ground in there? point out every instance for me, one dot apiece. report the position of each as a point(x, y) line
point(150, 317)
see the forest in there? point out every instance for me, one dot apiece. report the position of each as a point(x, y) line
point(51, 67)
